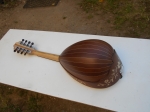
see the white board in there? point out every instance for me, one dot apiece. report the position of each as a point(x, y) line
point(130, 94)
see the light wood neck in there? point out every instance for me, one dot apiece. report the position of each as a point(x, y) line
point(21, 47)
point(26, 48)
point(50, 56)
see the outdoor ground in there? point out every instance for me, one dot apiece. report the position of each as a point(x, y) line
point(123, 18)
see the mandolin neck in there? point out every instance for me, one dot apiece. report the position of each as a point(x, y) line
point(46, 55)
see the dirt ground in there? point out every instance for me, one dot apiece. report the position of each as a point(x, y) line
point(67, 16)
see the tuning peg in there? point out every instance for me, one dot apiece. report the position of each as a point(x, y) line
point(26, 52)
point(31, 44)
point(22, 41)
point(16, 49)
point(25, 42)
point(28, 43)
point(23, 51)
point(19, 50)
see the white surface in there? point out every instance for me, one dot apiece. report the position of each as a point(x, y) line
point(130, 94)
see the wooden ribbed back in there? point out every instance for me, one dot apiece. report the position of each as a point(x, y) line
point(93, 63)
point(88, 60)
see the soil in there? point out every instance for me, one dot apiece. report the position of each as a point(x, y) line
point(67, 16)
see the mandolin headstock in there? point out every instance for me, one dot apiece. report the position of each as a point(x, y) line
point(24, 47)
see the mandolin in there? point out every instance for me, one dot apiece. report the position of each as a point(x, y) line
point(93, 62)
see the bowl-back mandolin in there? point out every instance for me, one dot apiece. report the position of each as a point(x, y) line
point(93, 62)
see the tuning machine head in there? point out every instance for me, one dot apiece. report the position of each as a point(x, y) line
point(31, 44)
point(22, 41)
point(23, 46)
point(23, 51)
point(16, 49)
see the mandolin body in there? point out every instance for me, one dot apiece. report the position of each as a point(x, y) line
point(92, 62)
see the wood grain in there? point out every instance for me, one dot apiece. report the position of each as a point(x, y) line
point(88, 60)
point(50, 56)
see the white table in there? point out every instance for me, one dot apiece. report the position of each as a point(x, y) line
point(130, 94)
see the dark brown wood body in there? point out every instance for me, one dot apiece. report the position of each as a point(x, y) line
point(88, 60)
